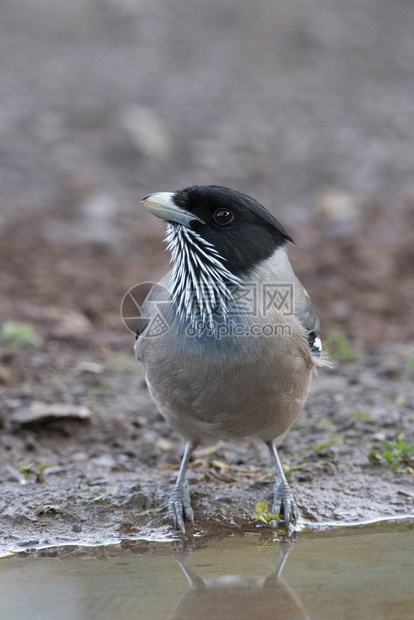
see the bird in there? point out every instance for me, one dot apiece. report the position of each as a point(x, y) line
point(229, 338)
point(269, 597)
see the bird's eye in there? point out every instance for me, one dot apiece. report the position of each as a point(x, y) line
point(223, 217)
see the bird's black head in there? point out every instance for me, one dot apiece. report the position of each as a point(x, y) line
point(241, 230)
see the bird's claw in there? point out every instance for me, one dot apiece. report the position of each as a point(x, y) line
point(179, 507)
point(284, 503)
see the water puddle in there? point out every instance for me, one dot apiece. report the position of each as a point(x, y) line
point(358, 572)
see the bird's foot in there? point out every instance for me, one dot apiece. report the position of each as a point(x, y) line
point(284, 502)
point(179, 507)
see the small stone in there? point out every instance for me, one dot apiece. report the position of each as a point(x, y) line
point(26, 543)
point(145, 132)
point(139, 501)
point(91, 367)
point(30, 444)
point(79, 457)
point(148, 447)
point(76, 527)
point(40, 412)
point(98, 207)
point(71, 324)
point(122, 429)
point(338, 206)
point(140, 421)
point(13, 478)
point(390, 368)
point(37, 361)
point(5, 375)
point(104, 460)
point(172, 458)
point(13, 403)
point(164, 444)
point(98, 214)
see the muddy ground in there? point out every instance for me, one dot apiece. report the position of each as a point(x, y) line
point(107, 101)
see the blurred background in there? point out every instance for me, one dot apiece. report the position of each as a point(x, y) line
point(307, 106)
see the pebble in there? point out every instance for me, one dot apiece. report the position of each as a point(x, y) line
point(98, 206)
point(79, 456)
point(96, 222)
point(122, 429)
point(90, 367)
point(38, 361)
point(148, 447)
point(333, 204)
point(145, 132)
point(40, 412)
point(390, 368)
point(104, 460)
point(30, 444)
point(5, 374)
point(139, 501)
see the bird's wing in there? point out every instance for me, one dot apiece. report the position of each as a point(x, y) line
point(306, 313)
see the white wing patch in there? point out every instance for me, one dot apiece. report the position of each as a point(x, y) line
point(317, 344)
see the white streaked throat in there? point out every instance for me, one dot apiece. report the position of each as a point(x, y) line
point(201, 286)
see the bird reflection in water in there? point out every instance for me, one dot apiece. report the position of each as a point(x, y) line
point(235, 597)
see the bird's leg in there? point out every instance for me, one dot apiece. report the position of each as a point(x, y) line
point(274, 578)
point(283, 500)
point(179, 506)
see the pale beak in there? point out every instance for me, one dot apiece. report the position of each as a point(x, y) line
point(162, 205)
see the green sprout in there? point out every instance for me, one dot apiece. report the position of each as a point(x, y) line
point(362, 415)
point(96, 495)
point(335, 439)
point(338, 347)
point(397, 454)
point(30, 469)
point(262, 513)
point(20, 334)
